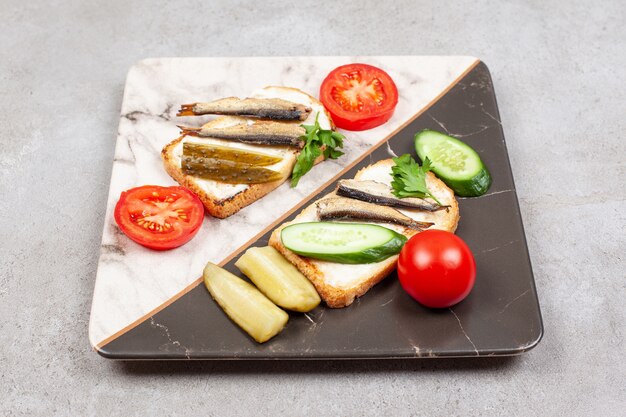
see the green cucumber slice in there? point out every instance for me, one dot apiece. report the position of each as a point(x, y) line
point(345, 243)
point(456, 163)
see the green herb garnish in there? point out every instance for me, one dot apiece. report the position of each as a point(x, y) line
point(314, 140)
point(409, 179)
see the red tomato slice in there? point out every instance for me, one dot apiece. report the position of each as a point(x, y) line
point(436, 268)
point(159, 218)
point(359, 96)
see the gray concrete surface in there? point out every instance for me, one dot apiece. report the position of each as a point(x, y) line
point(559, 73)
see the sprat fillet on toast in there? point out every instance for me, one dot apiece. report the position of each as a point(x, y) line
point(339, 284)
point(245, 127)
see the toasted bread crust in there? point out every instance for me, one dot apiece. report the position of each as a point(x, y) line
point(336, 297)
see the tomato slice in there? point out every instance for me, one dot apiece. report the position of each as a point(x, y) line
point(159, 218)
point(359, 96)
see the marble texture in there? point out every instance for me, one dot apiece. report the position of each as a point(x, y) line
point(559, 79)
point(132, 280)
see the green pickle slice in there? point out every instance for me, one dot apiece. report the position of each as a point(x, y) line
point(242, 156)
point(228, 165)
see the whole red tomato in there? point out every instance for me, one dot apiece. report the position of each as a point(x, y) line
point(436, 268)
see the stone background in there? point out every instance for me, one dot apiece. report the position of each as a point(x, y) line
point(558, 69)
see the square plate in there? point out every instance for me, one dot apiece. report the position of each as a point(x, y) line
point(150, 305)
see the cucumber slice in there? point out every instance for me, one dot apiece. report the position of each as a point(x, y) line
point(345, 243)
point(456, 163)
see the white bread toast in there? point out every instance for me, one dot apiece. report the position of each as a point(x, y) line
point(339, 284)
point(220, 199)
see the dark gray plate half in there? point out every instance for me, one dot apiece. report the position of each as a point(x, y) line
point(500, 317)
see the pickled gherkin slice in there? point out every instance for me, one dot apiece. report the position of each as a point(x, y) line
point(278, 279)
point(242, 156)
point(228, 171)
point(244, 304)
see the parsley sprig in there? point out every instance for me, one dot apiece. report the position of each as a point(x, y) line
point(317, 141)
point(409, 179)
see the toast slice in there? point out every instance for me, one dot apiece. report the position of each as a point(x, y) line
point(340, 284)
point(221, 199)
